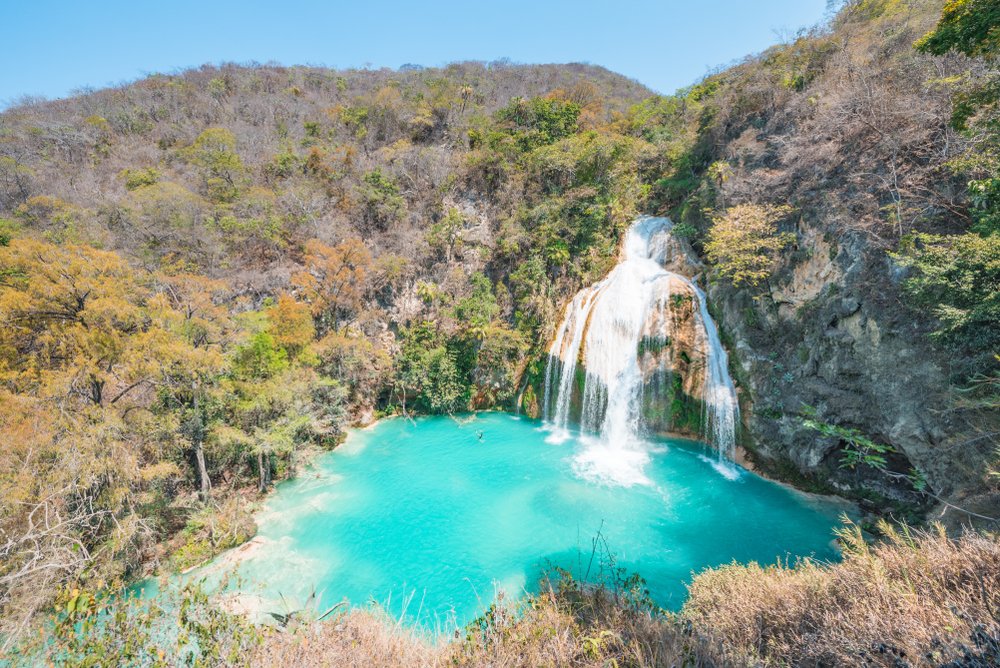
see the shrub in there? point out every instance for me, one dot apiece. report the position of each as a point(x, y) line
point(971, 27)
point(260, 358)
point(684, 230)
point(137, 178)
point(914, 597)
point(538, 121)
point(283, 164)
point(958, 278)
point(445, 235)
point(94, 629)
point(212, 530)
point(382, 205)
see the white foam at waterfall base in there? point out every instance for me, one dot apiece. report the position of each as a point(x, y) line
point(608, 463)
point(603, 325)
point(726, 469)
point(557, 435)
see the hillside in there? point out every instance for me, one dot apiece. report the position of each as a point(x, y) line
point(207, 276)
point(853, 129)
point(302, 141)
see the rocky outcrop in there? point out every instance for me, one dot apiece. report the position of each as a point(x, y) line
point(831, 334)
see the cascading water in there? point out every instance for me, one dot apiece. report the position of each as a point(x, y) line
point(603, 328)
point(721, 407)
point(574, 324)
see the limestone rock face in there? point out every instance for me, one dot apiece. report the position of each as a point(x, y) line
point(831, 333)
point(673, 365)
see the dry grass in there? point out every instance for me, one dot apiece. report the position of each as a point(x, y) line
point(913, 599)
point(574, 625)
point(359, 638)
point(568, 626)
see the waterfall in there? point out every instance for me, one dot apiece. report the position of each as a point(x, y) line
point(603, 329)
point(721, 408)
point(575, 323)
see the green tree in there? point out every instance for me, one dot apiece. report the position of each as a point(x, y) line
point(530, 285)
point(259, 358)
point(958, 277)
point(744, 241)
point(382, 205)
point(356, 362)
point(971, 27)
point(445, 235)
point(428, 370)
point(214, 151)
point(476, 312)
point(494, 376)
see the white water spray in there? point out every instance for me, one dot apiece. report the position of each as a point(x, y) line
point(603, 327)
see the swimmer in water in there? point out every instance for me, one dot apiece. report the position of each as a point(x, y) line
point(479, 435)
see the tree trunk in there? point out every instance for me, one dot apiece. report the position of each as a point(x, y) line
point(96, 391)
point(206, 483)
point(264, 466)
point(199, 451)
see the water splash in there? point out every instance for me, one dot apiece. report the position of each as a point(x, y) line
point(603, 327)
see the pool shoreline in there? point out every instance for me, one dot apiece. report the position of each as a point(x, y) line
point(234, 556)
point(319, 484)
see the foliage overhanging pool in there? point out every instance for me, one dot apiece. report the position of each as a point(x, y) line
point(428, 517)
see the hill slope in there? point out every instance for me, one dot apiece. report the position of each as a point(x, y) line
point(204, 275)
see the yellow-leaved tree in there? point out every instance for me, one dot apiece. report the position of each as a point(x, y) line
point(744, 242)
point(335, 280)
point(90, 350)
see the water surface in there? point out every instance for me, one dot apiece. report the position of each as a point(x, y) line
point(429, 517)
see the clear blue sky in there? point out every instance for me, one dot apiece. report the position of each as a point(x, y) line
point(54, 46)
